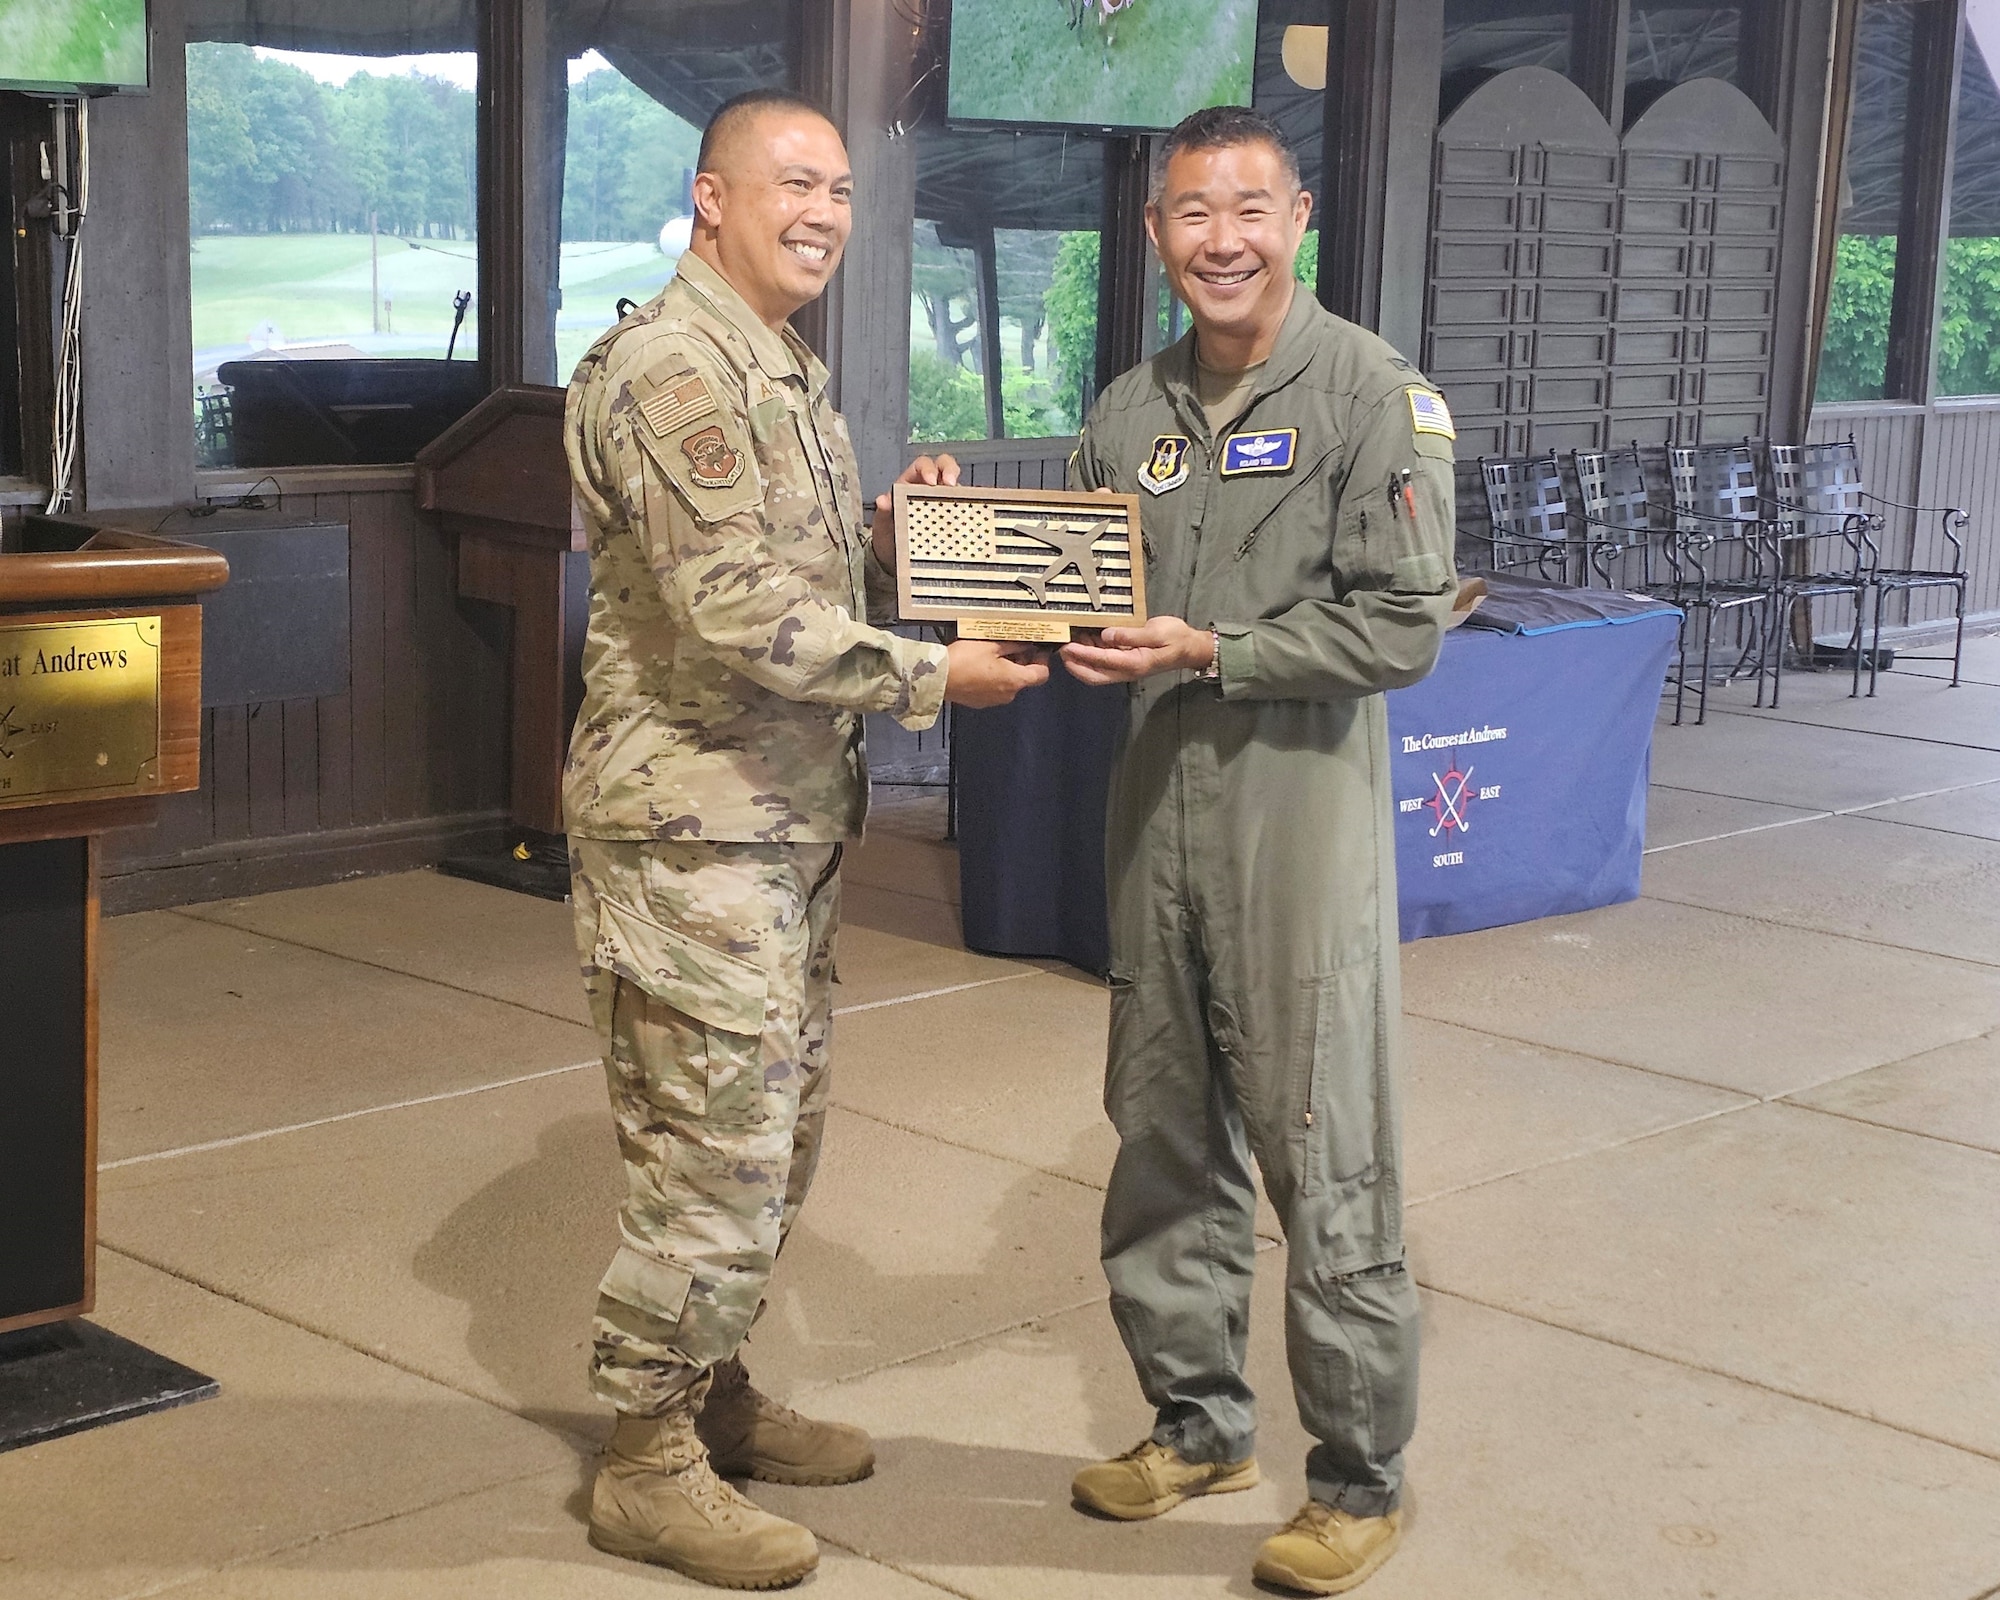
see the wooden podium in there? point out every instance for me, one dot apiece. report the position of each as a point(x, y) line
point(499, 480)
point(100, 713)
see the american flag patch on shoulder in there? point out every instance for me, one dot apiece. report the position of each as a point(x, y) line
point(1429, 414)
point(676, 403)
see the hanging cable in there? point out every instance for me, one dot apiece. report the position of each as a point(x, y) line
point(67, 222)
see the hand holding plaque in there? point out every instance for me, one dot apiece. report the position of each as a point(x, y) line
point(1018, 564)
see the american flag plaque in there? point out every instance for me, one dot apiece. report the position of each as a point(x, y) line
point(1020, 564)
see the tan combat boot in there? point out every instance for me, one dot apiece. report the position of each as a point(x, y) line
point(749, 1435)
point(657, 1499)
point(1324, 1551)
point(1151, 1478)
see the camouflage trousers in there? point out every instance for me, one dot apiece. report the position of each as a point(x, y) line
point(709, 968)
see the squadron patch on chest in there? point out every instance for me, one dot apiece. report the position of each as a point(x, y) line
point(1167, 467)
point(716, 463)
point(1272, 450)
point(675, 404)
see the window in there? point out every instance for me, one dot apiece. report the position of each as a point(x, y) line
point(1666, 45)
point(1005, 254)
point(1485, 37)
point(643, 78)
point(333, 235)
point(628, 175)
point(1854, 357)
point(1968, 335)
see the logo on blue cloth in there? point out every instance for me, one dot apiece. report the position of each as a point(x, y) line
point(1453, 792)
point(1273, 450)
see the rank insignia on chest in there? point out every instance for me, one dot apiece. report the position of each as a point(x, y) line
point(1273, 450)
point(1167, 467)
point(1429, 414)
point(717, 463)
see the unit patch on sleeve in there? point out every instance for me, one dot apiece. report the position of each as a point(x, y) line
point(676, 403)
point(1167, 467)
point(1273, 450)
point(1429, 414)
point(717, 463)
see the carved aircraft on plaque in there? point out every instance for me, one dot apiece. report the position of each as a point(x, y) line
point(1018, 564)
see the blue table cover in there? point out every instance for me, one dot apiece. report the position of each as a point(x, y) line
point(1519, 768)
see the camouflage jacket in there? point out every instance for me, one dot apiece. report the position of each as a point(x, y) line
point(727, 665)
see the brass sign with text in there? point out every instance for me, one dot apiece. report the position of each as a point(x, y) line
point(79, 709)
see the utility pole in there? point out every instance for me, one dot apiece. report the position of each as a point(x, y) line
point(374, 276)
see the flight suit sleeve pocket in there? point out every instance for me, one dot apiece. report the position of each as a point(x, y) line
point(1341, 1060)
point(657, 1289)
point(710, 985)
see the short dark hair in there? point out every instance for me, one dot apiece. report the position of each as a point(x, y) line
point(739, 107)
point(1223, 128)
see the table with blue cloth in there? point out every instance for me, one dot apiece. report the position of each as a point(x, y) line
point(1520, 768)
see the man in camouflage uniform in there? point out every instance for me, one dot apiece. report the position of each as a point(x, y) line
point(715, 770)
point(1296, 475)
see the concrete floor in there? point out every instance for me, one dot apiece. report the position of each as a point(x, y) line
point(1706, 1205)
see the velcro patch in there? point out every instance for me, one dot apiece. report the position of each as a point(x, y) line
point(1429, 414)
point(676, 403)
point(716, 463)
point(1273, 450)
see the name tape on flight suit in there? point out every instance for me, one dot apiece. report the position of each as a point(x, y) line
point(1273, 450)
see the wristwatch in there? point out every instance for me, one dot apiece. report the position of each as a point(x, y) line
point(1212, 673)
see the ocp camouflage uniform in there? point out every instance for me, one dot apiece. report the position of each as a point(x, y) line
point(1251, 873)
point(716, 767)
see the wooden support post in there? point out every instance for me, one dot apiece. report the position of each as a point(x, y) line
point(986, 253)
point(1597, 46)
point(1926, 208)
point(1121, 264)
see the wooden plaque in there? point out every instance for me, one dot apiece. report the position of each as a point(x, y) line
point(1027, 564)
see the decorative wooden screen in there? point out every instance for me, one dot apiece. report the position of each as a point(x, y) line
point(1586, 292)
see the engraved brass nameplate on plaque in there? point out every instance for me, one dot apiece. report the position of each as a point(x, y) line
point(79, 709)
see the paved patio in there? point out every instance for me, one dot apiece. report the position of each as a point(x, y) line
point(1706, 1208)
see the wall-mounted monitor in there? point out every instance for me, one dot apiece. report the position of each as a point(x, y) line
point(1131, 66)
point(73, 46)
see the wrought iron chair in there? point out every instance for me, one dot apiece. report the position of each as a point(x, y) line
point(1618, 510)
point(1820, 531)
point(1884, 580)
point(1531, 525)
point(1725, 556)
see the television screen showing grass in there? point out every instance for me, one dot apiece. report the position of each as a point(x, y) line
point(1125, 64)
point(72, 44)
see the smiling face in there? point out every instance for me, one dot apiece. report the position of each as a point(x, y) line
point(774, 215)
point(1227, 227)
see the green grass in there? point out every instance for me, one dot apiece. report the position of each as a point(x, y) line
point(73, 41)
point(313, 287)
point(1018, 60)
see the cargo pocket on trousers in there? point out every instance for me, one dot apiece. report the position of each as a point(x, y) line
point(656, 1289)
point(701, 1016)
point(1340, 1057)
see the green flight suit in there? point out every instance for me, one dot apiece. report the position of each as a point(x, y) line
point(1251, 871)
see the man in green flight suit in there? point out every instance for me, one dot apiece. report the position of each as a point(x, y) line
point(1296, 484)
point(715, 770)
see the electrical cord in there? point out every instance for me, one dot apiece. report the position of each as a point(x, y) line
point(65, 428)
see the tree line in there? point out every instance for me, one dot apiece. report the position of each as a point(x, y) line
point(272, 149)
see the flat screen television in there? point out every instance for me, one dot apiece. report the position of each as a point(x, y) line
point(74, 46)
point(1127, 66)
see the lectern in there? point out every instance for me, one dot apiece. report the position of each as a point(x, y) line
point(500, 482)
point(100, 714)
